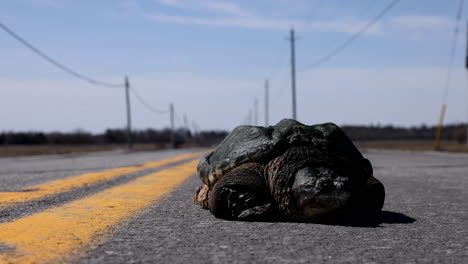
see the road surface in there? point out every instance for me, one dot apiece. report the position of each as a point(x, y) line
point(116, 207)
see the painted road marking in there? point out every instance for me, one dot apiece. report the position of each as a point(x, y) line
point(63, 233)
point(9, 199)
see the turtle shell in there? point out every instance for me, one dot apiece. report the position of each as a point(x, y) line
point(261, 144)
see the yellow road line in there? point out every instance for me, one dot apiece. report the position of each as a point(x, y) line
point(61, 234)
point(9, 199)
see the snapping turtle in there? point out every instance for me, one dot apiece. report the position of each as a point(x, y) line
point(290, 172)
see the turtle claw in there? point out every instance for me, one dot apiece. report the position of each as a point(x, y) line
point(258, 213)
point(240, 194)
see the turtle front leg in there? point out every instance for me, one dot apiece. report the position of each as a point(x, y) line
point(201, 196)
point(242, 194)
point(368, 202)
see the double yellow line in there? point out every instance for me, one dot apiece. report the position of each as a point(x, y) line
point(60, 234)
point(9, 199)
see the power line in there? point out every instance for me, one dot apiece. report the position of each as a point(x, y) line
point(146, 104)
point(358, 17)
point(347, 42)
point(55, 62)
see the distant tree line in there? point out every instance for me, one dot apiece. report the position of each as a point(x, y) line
point(113, 136)
point(453, 132)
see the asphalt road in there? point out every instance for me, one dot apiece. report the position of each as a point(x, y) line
point(425, 217)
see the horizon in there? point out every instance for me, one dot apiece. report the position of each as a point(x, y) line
point(377, 125)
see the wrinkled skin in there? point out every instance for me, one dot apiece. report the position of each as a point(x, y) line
point(289, 172)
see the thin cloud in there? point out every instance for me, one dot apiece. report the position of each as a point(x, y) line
point(342, 26)
point(44, 2)
point(418, 22)
point(207, 5)
point(238, 17)
point(349, 26)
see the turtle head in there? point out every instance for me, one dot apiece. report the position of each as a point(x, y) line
point(320, 191)
point(312, 186)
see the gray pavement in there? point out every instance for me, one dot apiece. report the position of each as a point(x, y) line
point(424, 220)
point(34, 170)
point(16, 173)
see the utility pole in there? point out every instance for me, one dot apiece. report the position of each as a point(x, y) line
point(466, 68)
point(198, 135)
point(129, 117)
point(171, 109)
point(266, 102)
point(186, 125)
point(439, 127)
point(292, 39)
point(256, 111)
point(195, 133)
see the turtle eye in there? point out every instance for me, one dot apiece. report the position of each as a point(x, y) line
point(305, 180)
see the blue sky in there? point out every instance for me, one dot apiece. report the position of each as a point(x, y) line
point(210, 58)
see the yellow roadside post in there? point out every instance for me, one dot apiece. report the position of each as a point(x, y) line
point(439, 128)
